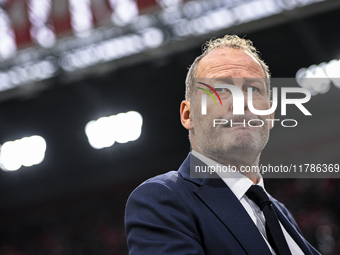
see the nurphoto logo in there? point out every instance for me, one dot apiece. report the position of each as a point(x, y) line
point(238, 103)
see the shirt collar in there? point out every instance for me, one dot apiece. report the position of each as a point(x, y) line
point(237, 182)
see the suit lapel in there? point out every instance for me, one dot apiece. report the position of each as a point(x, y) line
point(300, 241)
point(219, 198)
point(216, 195)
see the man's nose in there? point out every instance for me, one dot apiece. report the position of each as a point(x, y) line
point(245, 94)
point(245, 102)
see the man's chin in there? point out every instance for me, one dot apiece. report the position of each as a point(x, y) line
point(229, 148)
point(239, 144)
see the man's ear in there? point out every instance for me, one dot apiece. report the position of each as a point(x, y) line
point(185, 114)
point(271, 116)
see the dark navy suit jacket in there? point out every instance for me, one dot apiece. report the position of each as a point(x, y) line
point(175, 214)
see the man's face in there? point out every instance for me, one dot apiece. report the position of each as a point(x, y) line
point(238, 68)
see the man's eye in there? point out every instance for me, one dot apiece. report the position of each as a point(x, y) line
point(219, 90)
point(254, 89)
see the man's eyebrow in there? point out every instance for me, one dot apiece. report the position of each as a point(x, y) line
point(262, 80)
point(257, 80)
point(227, 80)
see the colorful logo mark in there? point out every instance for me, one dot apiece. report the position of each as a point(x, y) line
point(212, 89)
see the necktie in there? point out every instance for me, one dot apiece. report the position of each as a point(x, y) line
point(273, 228)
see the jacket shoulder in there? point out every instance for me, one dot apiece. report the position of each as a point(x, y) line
point(170, 184)
point(158, 219)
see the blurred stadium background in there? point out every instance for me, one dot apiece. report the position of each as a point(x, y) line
point(66, 172)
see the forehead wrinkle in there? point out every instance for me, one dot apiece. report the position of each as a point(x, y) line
point(224, 71)
point(228, 65)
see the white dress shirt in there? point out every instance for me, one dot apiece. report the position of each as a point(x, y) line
point(239, 184)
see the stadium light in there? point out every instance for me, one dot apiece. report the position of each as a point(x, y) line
point(121, 128)
point(39, 12)
point(27, 151)
point(318, 78)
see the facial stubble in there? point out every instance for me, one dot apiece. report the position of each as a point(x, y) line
point(229, 145)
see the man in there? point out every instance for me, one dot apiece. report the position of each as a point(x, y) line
point(187, 212)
